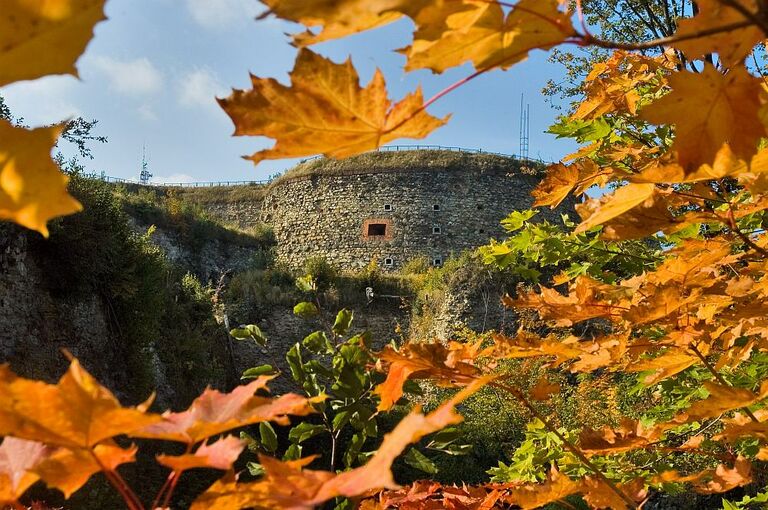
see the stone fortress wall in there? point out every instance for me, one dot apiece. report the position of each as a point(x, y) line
point(393, 206)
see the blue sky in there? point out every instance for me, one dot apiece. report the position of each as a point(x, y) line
point(151, 74)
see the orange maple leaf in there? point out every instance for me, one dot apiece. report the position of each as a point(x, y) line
point(721, 399)
point(75, 413)
point(587, 299)
point(213, 413)
point(218, 455)
point(346, 17)
point(731, 46)
point(325, 111)
point(489, 38)
point(557, 486)
point(668, 364)
point(451, 365)
point(561, 180)
point(630, 434)
point(32, 188)
point(287, 485)
point(42, 38)
point(18, 458)
point(709, 109)
point(69, 469)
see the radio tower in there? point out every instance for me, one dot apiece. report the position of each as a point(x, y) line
point(525, 128)
point(144, 176)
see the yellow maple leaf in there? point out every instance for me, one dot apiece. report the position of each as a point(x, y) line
point(488, 38)
point(38, 38)
point(346, 17)
point(561, 180)
point(325, 111)
point(77, 413)
point(709, 109)
point(32, 188)
point(731, 46)
point(68, 470)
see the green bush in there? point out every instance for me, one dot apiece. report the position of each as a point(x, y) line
point(171, 210)
point(322, 272)
point(154, 309)
point(416, 266)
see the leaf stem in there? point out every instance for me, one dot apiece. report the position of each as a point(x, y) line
point(114, 478)
point(568, 445)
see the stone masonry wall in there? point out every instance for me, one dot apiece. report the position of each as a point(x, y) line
point(243, 214)
point(431, 212)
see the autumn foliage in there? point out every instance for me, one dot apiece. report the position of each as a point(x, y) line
point(684, 151)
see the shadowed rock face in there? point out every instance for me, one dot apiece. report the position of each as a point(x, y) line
point(392, 207)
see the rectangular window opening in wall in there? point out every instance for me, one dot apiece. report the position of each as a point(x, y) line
point(377, 229)
point(436, 207)
point(387, 207)
point(437, 261)
point(389, 262)
point(436, 230)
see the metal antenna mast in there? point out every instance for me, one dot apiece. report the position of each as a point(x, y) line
point(144, 176)
point(525, 128)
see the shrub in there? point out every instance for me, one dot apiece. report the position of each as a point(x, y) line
point(322, 272)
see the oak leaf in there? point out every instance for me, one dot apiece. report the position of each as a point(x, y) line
point(18, 458)
point(75, 413)
point(489, 38)
point(218, 455)
point(41, 38)
point(213, 413)
point(32, 188)
point(709, 109)
point(325, 111)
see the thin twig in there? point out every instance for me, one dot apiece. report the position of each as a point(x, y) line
point(130, 498)
point(719, 377)
point(751, 16)
point(567, 444)
point(589, 40)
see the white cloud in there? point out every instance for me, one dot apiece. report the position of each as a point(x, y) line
point(131, 77)
point(44, 101)
point(199, 88)
point(220, 14)
point(147, 113)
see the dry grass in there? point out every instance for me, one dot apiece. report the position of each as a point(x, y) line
point(222, 194)
point(411, 160)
